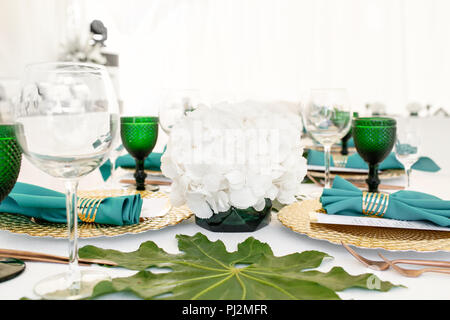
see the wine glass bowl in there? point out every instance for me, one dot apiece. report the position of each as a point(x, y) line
point(175, 104)
point(10, 159)
point(374, 139)
point(139, 136)
point(407, 150)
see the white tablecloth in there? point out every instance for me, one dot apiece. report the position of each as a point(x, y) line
point(282, 240)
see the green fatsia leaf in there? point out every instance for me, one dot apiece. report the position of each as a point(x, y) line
point(206, 270)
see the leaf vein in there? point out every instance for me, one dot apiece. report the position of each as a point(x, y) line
point(207, 255)
point(271, 285)
point(211, 287)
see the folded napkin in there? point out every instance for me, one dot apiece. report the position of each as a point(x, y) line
point(152, 162)
point(355, 161)
point(346, 199)
point(49, 205)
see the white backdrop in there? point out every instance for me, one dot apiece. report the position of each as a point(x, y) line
point(392, 51)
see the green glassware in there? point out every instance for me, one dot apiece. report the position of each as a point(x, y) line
point(139, 136)
point(10, 159)
point(237, 220)
point(374, 139)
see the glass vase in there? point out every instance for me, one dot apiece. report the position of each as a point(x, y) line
point(237, 220)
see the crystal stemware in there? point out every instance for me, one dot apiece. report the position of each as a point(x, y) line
point(175, 104)
point(139, 136)
point(407, 151)
point(374, 139)
point(66, 122)
point(327, 119)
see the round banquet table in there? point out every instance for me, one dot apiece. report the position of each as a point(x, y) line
point(282, 240)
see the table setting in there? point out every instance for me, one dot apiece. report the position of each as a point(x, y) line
point(242, 200)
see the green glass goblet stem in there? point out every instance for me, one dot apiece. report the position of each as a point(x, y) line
point(344, 144)
point(374, 139)
point(140, 174)
point(139, 136)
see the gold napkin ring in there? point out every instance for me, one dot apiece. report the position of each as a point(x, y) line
point(87, 208)
point(374, 204)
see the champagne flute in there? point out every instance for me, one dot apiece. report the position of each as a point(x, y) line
point(327, 119)
point(139, 136)
point(66, 123)
point(407, 151)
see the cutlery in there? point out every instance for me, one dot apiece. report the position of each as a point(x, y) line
point(383, 265)
point(413, 273)
point(44, 257)
point(37, 259)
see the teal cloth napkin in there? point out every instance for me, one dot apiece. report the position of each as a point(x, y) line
point(346, 199)
point(152, 162)
point(49, 205)
point(356, 162)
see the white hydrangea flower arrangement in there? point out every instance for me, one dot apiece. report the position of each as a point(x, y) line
point(234, 155)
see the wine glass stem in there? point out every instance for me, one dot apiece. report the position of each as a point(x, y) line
point(72, 225)
point(112, 159)
point(408, 177)
point(327, 152)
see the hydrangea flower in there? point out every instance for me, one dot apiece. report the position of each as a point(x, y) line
point(234, 155)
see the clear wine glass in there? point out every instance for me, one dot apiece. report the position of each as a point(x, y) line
point(175, 104)
point(66, 124)
point(407, 151)
point(327, 118)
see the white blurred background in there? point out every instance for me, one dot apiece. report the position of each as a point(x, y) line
point(390, 51)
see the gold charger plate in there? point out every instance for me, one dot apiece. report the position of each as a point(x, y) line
point(385, 174)
point(296, 218)
point(24, 225)
point(335, 149)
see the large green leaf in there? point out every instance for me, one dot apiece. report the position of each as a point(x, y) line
point(206, 270)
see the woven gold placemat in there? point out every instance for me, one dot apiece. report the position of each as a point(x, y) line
point(296, 217)
point(335, 149)
point(385, 174)
point(24, 225)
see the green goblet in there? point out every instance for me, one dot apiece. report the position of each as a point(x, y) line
point(10, 159)
point(139, 136)
point(374, 139)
